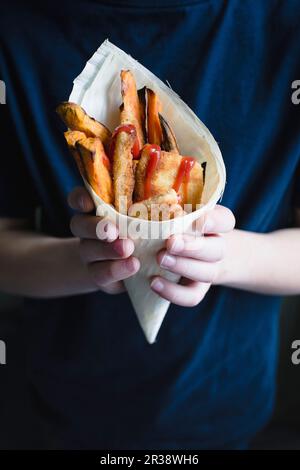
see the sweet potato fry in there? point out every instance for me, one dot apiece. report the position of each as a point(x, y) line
point(72, 137)
point(159, 131)
point(132, 107)
point(77, 119)
point(154, 129)
point(132, 113)
point(164, 177)
point(96, 171)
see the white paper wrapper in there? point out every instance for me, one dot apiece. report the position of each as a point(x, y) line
point(97, 90)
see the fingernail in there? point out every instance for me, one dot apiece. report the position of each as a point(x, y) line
point(131, 264)
point(208, 226)
point(157, 285)
point(168, 261)
point(177, 245)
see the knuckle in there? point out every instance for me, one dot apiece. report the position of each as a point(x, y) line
point(221, 248)
point(111, 273)
point(199, 245)
point(96, 275)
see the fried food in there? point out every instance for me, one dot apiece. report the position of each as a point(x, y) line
point(123, 171)
point(164, 178)
point(169, 142)
point(77, 119)
point(92, 163)
point(132, 110)
point(154, 130)
point(72, 137)
point(158, 130)
point(161, 207)
point(139, 165)
point(128, 139)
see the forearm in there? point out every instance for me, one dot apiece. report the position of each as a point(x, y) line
point(35, 265)
point(264, 263)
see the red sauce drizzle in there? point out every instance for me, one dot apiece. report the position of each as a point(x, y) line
point(183, 175)
point(106, 162)
point(130, 129)
point(154, 156)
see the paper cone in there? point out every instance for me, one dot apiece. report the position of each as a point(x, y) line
point(97, 90)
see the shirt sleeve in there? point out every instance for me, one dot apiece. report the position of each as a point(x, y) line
point(17, 195)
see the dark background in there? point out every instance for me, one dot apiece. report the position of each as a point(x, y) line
point(283, 431)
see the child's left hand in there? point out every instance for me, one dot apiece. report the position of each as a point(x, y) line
point(195, 258)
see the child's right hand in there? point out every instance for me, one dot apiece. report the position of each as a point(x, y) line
point(108, 260)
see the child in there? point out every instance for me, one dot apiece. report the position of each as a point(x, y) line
point(92, 379)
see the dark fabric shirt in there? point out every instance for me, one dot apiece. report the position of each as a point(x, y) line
point(92, 381)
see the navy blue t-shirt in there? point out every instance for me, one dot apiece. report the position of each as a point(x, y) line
point(91, 379)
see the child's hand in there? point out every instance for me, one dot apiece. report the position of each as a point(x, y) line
point(195, 258)
point(108, 260)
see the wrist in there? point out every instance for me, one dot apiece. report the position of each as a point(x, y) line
point(245, 258)
point(239, 253)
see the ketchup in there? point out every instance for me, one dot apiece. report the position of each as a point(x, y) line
point(183, 175)
point(130, 129)
point(106, 161)
point(153, 152)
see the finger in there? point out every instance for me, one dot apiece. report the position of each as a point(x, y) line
point(108, 272)
point(90, 226)
point(94, 250)
point(114, 288)
point(218, 220)
point(210, 249)
point(191, 268)
point(187, 295)
point(80, 200)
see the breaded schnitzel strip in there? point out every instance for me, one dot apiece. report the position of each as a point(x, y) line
point(161, 207)
point(123, 171)
point(164, 176)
